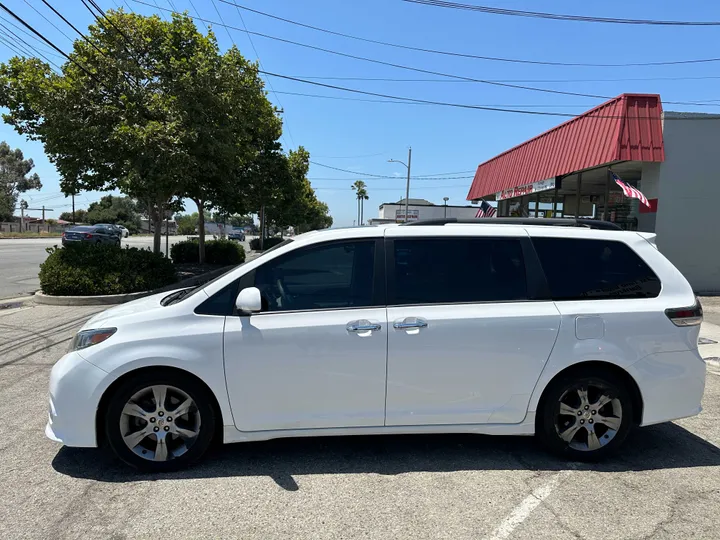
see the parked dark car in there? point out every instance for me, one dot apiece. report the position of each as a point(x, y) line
point(95, 234)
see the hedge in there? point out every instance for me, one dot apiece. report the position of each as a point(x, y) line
point(269, 242)
point(84, 269)
point(216, 252)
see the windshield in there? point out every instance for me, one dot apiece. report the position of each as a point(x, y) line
point(183, 294)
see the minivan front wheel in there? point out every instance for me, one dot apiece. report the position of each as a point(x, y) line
point(160, 422)
point(586, 417)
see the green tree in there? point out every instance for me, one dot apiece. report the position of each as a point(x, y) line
point(187, 223)
point(80, 216)
point(155, 111)
point(15, 178)
point(116, 210)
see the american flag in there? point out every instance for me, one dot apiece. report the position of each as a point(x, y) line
point(630, 191)
point(485, 210)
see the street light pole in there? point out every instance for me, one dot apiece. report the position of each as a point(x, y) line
point(446, 200)
point(407, 186)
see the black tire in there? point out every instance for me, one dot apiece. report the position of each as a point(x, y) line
point(550, 423)
point(202, 399)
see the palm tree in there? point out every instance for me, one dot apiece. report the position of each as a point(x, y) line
point(361, 193)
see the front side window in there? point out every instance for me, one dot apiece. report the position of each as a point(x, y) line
point(458, 270)
point(579, 269)
point(331, 276)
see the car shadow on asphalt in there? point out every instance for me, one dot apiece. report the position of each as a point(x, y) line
point(666, 446)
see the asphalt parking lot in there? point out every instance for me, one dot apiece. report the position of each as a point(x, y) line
point(666, 484)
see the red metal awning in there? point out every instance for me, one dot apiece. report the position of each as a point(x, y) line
point(626, 128)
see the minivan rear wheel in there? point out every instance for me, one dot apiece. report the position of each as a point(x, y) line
point(587, 416)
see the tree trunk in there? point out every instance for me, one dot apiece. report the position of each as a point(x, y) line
point(362, 211)
point(156, 219)
point(201, 230)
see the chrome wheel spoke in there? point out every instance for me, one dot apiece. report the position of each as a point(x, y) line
point(601, 402)
point(567, 409)
point(133, 439)
point(159, 394)
point(570, 432)
point(183, 408)
point(161, 450)
point(612, 422)
point(593, 441)
point(583, 395)
point(185, 433)
point(133, 409)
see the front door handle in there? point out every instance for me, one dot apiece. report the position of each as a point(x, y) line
point(362, 326)
point(409, 323)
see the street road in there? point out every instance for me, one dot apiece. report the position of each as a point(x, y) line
point(665, 484)
point(20, 260)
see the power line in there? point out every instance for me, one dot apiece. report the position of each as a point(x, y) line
point(354, 157)
point(403, 178)
point(58, 49)
point(463, 55)
point(257, 55)
point(356, 173)
point(464, 105)
point(29, 49)
point(48, 20)
point(453, 81)
point(30, 35)
point(464, 186)
point(420, 70)
point(557, 16)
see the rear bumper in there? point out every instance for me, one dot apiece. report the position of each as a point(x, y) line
point(671, 384)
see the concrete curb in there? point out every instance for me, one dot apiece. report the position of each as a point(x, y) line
point(113, 299)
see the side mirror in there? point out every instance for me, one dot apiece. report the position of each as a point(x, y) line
point(249, 300)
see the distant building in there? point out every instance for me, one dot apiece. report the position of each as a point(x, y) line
point(420, 209)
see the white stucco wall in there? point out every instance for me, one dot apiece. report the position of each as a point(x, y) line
point(688, 183)
point(388, 211)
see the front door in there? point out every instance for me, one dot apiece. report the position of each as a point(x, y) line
point(315, 357)
point(466, 344)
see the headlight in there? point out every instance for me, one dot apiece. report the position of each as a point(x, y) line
point(87, 338)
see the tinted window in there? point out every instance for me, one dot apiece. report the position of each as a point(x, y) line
point(450, 270)
point(338, 275)
point(580, 269)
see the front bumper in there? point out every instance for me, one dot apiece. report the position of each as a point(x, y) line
point(75, 389)
point(671, 384)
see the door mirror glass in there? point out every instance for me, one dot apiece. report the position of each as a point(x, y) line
point(249, 301)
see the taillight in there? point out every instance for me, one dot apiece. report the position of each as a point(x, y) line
point(88, 235)
point(688, 316)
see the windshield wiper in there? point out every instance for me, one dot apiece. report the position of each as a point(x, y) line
point(176, 296)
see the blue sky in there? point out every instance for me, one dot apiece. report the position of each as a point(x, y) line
point(362, 136)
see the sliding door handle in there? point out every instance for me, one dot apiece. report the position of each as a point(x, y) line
point(409, 323)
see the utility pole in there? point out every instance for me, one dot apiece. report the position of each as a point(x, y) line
point(22, 217)
point(43, 211)
point(73, 202)
point(407, 186)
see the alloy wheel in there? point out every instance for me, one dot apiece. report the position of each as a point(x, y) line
point(588, 417)
point(160, 423)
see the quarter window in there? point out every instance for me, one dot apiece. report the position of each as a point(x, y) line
point(458, 269)
point(337, 275)
point(579, 269)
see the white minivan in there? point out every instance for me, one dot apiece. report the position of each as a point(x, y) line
point(572, 333)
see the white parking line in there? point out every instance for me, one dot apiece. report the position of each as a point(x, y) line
point(523, 510)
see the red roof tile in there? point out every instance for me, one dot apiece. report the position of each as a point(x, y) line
point(628, 127)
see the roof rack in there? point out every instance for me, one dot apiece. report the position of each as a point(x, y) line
point(557, 222)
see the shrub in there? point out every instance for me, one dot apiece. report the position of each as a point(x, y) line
point(216, 252)
point(85, 269)
point(269, 242)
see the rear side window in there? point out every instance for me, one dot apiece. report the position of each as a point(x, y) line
point(579, 269)
point(458, 270)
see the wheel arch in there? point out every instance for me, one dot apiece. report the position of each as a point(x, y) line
point(586, 366)
point(105, 398)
